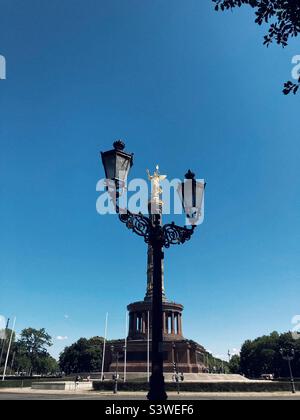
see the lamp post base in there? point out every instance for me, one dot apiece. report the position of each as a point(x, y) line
point(293, 387)
point(157, 389)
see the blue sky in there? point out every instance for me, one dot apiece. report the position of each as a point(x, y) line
point(185, 87)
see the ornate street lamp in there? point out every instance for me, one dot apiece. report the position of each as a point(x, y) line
point(289, 356)
point(191, 194)
point(117, 164)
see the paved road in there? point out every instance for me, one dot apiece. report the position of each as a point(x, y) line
point(89, 396)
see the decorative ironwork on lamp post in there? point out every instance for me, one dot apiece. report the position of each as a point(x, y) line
point(289, 356)
point(117, 164)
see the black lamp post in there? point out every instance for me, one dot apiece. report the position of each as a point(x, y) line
point(116, 374)
point(117, 164)
point(289, 355)
point(177, 375)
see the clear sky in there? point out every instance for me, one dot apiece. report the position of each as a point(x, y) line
point(185, 87)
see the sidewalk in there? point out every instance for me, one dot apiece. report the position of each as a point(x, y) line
point(187, 395)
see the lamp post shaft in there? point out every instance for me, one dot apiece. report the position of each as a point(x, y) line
point(116, 374)
point(292, 377)
point(157, 384)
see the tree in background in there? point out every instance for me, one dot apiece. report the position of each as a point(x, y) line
point(22, 362)
point(47, 365)
point(235, 365)
point(34, 344)
point(29, 354)
point(262, 356)
point(83, 356)
point(215, 365)
point(283, 18)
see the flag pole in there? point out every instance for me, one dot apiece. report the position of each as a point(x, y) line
point(104, 344)
point(125, 346)
point(9, 346)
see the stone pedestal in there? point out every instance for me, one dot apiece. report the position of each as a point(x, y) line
point(188, 355)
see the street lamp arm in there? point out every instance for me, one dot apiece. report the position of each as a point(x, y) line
point(176, 235)
point(142, 226)
point(138, 223)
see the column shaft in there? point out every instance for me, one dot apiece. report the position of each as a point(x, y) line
point(173, 323)
point(143, 323)
point(180, 324)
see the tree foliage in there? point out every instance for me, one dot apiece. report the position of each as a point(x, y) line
point(83, 356)
point(234, 364)
point(35, 341)
point(282, 18)
point(33, 344)
point(30, 353)
point(262, 356)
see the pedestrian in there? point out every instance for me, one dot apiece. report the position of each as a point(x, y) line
point(77, 379)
